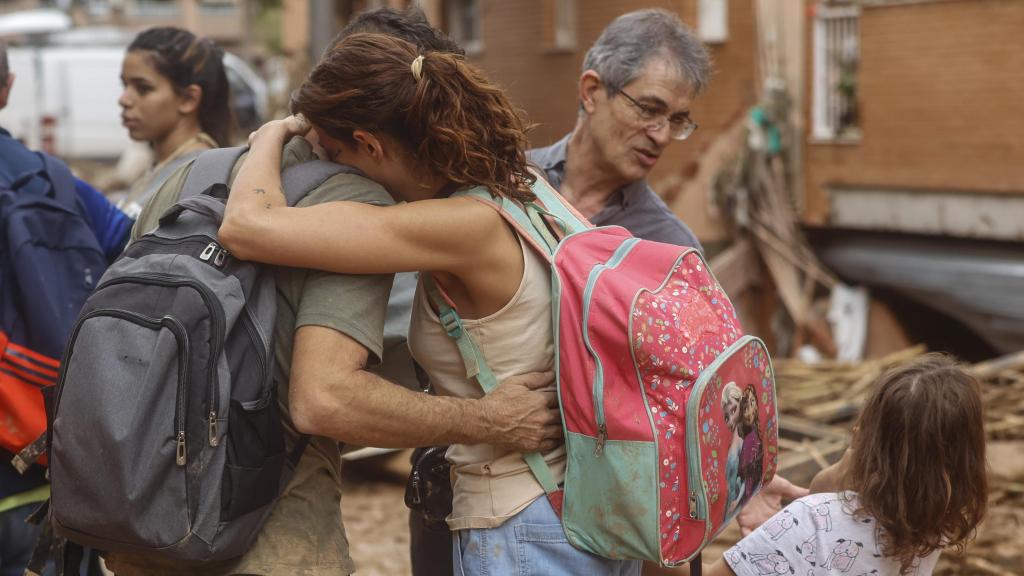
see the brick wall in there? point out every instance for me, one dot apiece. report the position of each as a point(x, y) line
point(941, 103)
point(517, 54)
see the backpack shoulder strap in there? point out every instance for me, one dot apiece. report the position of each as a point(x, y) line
point(476, 367)
point(556, 206)
point(301, 179)
point(211, 167)
point(542, 223)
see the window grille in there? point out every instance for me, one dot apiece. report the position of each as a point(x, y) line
point(836, 58)
point(464, 24)
point(565, 24)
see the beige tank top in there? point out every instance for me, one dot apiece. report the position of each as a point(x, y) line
point(491, 484)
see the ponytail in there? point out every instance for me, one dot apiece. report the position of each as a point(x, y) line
point(449, 117)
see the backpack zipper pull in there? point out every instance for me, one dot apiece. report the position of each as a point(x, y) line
point(693, 505)
point(207, 252)
point(181, 448)
point(214, 437)
point(417, 498)
point(602, 435)
point(219, 259)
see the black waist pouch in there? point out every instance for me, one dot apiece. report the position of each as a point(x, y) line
point(429, 489)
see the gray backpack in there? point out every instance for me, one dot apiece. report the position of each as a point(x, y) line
point(166, 437)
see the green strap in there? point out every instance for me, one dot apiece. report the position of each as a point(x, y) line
point(555, 206)
point(476, 367)
point(39, 494)
point(527, 218)
point(541, 471)
point(535, 212)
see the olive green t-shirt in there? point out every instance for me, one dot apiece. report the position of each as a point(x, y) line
point(304, 534)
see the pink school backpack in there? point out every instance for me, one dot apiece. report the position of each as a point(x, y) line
point(668, 408)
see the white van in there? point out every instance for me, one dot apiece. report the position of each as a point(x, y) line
point(67, 85)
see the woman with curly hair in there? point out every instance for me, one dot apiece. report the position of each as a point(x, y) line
point(912, 483)
point(426, 126)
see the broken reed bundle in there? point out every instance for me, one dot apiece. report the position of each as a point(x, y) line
point(999, 546)
point(831, 392)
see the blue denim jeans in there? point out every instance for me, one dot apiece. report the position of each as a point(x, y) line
point(530, 544)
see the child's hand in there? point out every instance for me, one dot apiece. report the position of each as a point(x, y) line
point(767, 503)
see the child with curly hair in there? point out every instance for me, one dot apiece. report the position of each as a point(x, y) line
point(912, 483)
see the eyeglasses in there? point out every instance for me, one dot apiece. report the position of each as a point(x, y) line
point(680, 126)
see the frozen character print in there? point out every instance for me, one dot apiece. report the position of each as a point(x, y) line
point(771, 563)
point(843, 556)
point(752, 452)
point(780, 524)
point(732, 400)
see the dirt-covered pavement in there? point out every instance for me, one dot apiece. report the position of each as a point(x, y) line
point(376, 519)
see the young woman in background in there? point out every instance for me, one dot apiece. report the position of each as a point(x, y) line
point(176, 99)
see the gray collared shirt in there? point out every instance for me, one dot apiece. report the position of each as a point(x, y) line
point(635, 206)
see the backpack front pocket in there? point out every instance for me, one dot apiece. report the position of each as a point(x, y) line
point(102, 454)
point(732, 433)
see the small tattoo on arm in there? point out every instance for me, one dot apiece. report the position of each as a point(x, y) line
point(259, 190)
point(268, 205)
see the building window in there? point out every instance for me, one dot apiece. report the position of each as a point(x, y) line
point(464, 24)
point(836, 59)
point(564, 24)
point(157, 8)
point(219, 7)
point(713, 20)
point(358, 6)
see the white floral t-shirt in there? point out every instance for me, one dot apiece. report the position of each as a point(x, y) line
point(818, 535)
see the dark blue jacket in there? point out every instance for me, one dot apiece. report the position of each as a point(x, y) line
point(112, 228)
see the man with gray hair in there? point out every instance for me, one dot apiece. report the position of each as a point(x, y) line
point(638, 82)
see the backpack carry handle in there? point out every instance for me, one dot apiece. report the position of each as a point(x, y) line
point(59, 181)
point(211, 167)
point(214, 210)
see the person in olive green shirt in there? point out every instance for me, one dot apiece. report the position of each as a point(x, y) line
point(328, 329)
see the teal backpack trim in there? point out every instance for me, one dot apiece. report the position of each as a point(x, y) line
point(476, 367)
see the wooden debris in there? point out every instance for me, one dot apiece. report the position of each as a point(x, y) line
point(830, 391)
point(736, 269)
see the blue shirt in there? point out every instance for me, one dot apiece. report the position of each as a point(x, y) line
point(635, 206)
